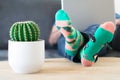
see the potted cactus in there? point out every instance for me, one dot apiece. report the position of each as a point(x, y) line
point(25, 49)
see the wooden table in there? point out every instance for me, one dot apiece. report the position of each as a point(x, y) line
point(107, 68)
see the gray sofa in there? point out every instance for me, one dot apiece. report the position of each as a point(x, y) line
point(40, 11)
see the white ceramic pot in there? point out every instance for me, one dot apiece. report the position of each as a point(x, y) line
point(26, 57)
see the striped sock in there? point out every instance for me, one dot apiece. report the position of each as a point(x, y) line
point(103, 35)
point(73, 37)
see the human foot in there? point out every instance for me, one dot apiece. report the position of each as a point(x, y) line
point(73, 37)
point(104, 34)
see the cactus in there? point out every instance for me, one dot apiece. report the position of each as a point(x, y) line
point(24, 31)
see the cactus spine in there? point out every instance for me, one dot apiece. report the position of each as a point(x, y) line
point(24, 31)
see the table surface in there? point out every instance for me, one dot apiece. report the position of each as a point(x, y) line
point(107, 68)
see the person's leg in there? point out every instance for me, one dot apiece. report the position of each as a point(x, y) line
point(116, 39)
point(103, 35)
point(61, 46)
point(73, 38)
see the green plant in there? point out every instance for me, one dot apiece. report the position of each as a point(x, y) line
point(24, 31)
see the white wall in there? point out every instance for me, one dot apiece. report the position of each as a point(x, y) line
point(117, 6)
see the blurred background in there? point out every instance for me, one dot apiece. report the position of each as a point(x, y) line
point(40, 11)
point(117, 6)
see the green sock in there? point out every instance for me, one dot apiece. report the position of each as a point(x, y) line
point(102, 36)
point(73, 37)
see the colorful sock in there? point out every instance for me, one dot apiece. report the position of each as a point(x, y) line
point(73, 37)
point(104, 34)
